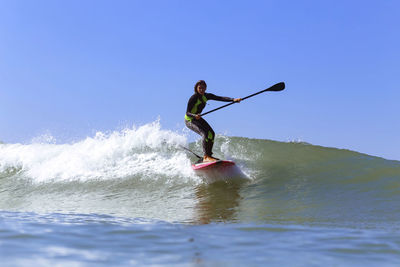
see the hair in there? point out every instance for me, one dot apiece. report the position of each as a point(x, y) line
point(200, 82)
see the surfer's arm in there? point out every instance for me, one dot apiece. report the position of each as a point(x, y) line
point(219, 98)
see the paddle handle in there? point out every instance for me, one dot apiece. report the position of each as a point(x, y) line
point(275, 88)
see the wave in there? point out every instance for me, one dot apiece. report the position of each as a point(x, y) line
point(143, 172)
point(146, 151)
point(306, 183)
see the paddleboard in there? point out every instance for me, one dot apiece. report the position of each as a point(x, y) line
point(212, 164)
point(220, 170)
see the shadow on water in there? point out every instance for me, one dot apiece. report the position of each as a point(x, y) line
point(217, 202)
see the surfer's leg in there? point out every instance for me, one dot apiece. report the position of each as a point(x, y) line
point(196, 127)
point(203, 128)
point(208, 141)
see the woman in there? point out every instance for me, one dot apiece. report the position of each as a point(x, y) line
point(196, 123)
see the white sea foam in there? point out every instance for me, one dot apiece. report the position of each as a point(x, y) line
point(146, 151)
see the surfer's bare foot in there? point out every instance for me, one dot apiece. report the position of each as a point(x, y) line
point(209, 159)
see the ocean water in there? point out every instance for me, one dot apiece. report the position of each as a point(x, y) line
point(131, 198)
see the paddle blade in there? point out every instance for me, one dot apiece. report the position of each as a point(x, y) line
point(277, 87)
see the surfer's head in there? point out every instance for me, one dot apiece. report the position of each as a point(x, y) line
point(200, 87)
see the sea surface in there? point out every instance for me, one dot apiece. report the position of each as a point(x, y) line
point(130, 197)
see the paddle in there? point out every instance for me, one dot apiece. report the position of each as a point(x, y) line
point(275, 88)
point(191, 152)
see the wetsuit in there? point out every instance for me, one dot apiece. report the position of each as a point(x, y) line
point(196, 104)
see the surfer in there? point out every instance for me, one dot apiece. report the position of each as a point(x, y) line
point(196, 123)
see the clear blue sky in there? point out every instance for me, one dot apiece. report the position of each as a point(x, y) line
point(71, 68)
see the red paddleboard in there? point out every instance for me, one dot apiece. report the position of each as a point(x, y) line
point(220, 170)
point(212, 164)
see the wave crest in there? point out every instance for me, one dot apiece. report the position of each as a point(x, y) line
point(146, 151)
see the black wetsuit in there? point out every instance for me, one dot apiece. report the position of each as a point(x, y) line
point(195, 106)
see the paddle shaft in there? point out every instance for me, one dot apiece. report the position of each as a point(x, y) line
point(277, 87)
point(187, 149)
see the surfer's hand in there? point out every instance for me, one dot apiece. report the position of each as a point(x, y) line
point(237, 100)
point(197, 117)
